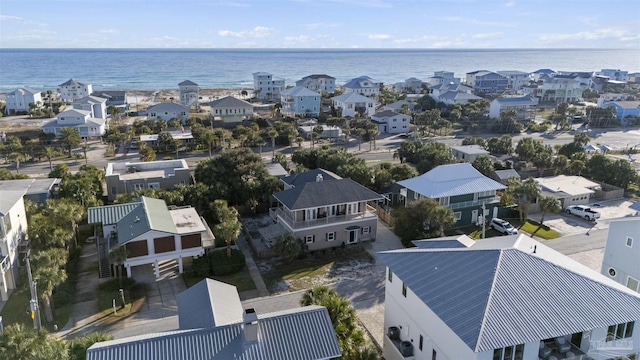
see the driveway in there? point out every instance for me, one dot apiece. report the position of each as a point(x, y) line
point(568, 224)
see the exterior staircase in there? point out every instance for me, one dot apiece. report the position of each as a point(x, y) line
point(104, 265)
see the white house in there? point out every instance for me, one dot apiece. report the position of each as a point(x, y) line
point(468, 153)
point(363, 85)
point(569, 189)
point(318, 82)
point(72, 90)
point(230, 109)
point(86, 125)
point(517, 79)
point(622, 252)
point(501, 298)
point(411, 85)
point(13, 226)
point(443, 77)
point(561, 89)
point(351, 103)
point(96, 106)
point(524, 107)
point(391, 122)
point(189, 94)
point(18, 100)
point(168, 111)
point(615, 74)
point(266, 87)
point(452, 93)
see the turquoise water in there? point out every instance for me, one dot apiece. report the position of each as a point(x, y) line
point(149, 69)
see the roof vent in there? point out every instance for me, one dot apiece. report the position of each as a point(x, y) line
point(137, 219)
point(319, 178)
point(250, 325)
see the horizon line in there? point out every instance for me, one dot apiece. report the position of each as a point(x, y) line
point(310, 48)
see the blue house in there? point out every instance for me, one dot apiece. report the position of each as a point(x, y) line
point(487, 82)
point(300, 101)
point(624, 109)
point(459, 187)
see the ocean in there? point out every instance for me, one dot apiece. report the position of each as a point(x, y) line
point(155, 69)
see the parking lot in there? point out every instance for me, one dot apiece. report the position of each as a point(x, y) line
point(568, 224)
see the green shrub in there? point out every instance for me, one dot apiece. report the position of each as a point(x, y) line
point(222, 265)
point(114, 284)
point(201, 266)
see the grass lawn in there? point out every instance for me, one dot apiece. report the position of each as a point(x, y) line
point(242, 280)
point(535, 230)
point(134, 295)
point(529, 227)
point(16, 310)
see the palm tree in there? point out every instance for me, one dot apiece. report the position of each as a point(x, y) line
point(70, 137)
point(20, 342)
point(66, 212)
point(78, 346)
point(288, 247)
point(49, 273)
point(85, 147)
point(118, 255)
point(244, 93)
point(548, 204)
point(273, 134)
point(299, 140)
point(49, 153)
point(209, 137)
point(229, 227)
point(372, 131)
point(361, 132)
point(115, 112)
point(442, 216)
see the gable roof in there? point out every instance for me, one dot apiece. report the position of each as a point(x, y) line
point(8, 199)
point(72, 82)
point(398, 105)
point(624, 104)
point(217, 304)
point(458, 95)
point(507, 173)
point(309, 176)
point(187, 83)
point(228, 102)
point(501, 294)
point(110, 214)
point(352, 97)
point(74, 113)
point(324, 193)
point(451, 180)
point(23, 90)
point(152, 214)
point(167, 106)
point(90, 100)
point(357, 83)
point(299, 91)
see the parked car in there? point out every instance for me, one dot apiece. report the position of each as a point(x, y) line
point(502, 226)
point(582, 211)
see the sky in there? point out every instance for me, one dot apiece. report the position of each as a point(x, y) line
point(320, 24)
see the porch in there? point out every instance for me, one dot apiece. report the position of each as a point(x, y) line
point(562, 349)
point(279, 214)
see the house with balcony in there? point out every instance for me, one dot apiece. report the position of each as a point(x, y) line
point(410, 85)
point(73, 90)
point(267, 87)
point(300, 101)
point(214, 326)
point(117, 98)
point(151, 232)
point(561, 89)
point(126, 177)
point(96, 106)
point(443, 77)
point(459, 187)
point(624, 109)
point(81, 120)
point(230, 109)
point(615, 74)
point(524, 107)
point(452, 93)
point(363, 85)
point(326, 211)
point(318, 83)
point(507, 297)
point(168, 111)
point(391, 122)
point(517, 79)
point(13, 227)
point(189, 94)
point(350, 104)
point(487, 82)
point(18, 101)
point(622, 251)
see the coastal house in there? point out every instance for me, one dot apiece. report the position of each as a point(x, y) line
point(214, 326)
point(183, 136)
point(452, 93)
point(391, 122)
point(96, 106)
point(468, 153)
point(325, 210)
point(443, 77)
point(266, 87)
point(318, 83)
point(569, 189)
point(363, 85)
point(168, 111)
point(459, 187)
point(634, 78)
point(561, 89)
point(517, 79)
point(18, 101)
point(609, 96)
point(72, 90)
point(189, 94)
point(328, 131)
point(13, 227)
point(117, 98)
point(502, 176)
point(542, 74)
point(410, 85)
point(126, 177)
point(524, 106)
point(622, 251)
point(152, 233)
point(350, 104)
point(399, 106)
point(624, 109)
point(507, 297)
point(38, 191)
point(81, 120)
point(300, 101)
point(615, 74)
point(230, 109)
point(487, 82)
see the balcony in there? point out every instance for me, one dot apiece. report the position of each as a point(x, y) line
point(5, 264)
point(551, 349)
point(289, 219)
point(479, 202)
point(393, 349)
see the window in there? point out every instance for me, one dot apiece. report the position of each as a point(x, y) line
point(619, 331)
point(629, 241)
point(309, 238)
point(366, 229)
point(457, 215)
point(404, 289)
point(331, 236)
point(154, 185)
point(632, 283)
point(390, 275)
point(416, 196)
point(434, 353)
point(420, 343)
point(509, 353)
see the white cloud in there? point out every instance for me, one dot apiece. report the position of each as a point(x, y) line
point(256, 32)
point(320, 26)
point(379, 37)
point(297, 39)
point(597, 34)
point(510, 4)
point(10, 18)
point(495, 35)
point(475, 21)
point(419, 39)
point(109, 31)
point(361, 3)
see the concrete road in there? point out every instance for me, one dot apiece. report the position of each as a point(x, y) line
point(577, 243)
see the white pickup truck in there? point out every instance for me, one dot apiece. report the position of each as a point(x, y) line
point(583, 211)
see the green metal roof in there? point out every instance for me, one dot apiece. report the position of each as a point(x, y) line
point(111, 214)
point(151, 215)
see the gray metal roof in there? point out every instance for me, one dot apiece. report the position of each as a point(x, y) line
point(462, 241)
point(492, 298)
point(523, 100)
point(30, 186)
point(352, 97)
point(309, 176)
point(387, 113)
point(229, 101)
point(470, 149)
point(217, 304)
point(299, 91)
point(8, 199)
point(505, 174)
point(71, 82)
point(451, 180)
point(90, 100)
point(110, 214)
point(304, 333)
point(325, 193)
point(187, 83)
point(167, 107)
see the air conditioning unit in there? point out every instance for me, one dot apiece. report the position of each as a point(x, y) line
point(406, 348)
point(393, 333)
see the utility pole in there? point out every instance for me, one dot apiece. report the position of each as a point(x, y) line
point(484, 221)
point(35, 309)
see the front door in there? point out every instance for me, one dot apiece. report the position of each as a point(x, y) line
point(474, 216)
point(353, 236)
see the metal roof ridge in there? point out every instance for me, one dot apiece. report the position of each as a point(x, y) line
point(484, 316)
